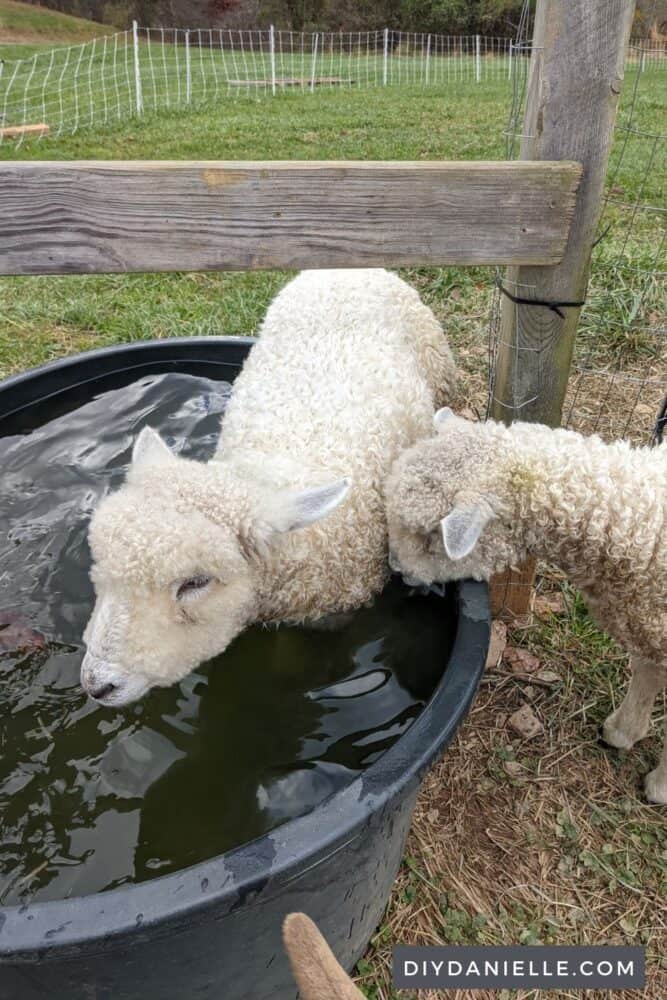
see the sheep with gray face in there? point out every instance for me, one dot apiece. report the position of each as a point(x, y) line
point(287, 521)
point(479, 498)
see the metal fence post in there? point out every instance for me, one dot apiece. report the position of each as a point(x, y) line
point(272, 50)
point(188, 79)
point(139, 100)
point(314, 66)
point(428, 60)
point(478, 61)
point(509, 62)
point(386, 51)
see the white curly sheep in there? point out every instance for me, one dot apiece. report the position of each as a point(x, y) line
point(346, 373)
point(479, 498)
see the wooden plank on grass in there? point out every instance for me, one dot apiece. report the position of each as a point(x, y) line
point(16, 131)
point(296, 81)
point(110, 216)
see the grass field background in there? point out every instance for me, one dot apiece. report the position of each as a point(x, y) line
point(22, 22)
point(545, 840)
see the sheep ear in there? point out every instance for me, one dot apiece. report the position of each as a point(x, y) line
point(442, 416)
point(296, 510)
point(150, 449)
point(289, 511)
point(461, 529)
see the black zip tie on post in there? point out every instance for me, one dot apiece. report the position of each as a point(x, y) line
point(602, 235)
point(661, 423)
point(554, 306)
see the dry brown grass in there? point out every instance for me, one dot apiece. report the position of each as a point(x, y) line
point(546, 840)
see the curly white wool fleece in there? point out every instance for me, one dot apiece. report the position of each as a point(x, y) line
point(479, 498)
point(598, 511)
point(346, 373)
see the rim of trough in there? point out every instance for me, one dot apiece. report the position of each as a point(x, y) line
point(170, 903)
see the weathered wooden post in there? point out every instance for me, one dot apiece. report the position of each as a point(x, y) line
point(575, 76)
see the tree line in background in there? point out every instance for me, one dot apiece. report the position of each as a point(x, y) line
point(447, 17)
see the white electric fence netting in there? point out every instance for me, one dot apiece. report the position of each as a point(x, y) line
point(152, 69)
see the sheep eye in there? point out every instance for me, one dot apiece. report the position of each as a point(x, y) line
point(425, 541)
point(191, 585)
point(433, 542)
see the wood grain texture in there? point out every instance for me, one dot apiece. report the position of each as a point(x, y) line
point(16, 131)
point(575, 78)
point(111, 216)
point(574, 83)
point(511, 593)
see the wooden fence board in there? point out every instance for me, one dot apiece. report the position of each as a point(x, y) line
point(113, 216)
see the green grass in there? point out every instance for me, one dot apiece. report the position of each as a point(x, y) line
point(41, 318)
point(23, 22)
point(94, 83)
point(565, 850)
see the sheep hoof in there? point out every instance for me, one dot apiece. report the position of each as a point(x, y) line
point(614, 736)
point(655, 786)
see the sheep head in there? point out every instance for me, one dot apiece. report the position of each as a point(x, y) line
point(179, 552)
point(452, 510)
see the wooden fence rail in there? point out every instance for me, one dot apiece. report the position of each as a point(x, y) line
point(112, 216)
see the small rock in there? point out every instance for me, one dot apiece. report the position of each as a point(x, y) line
point(513, 768)
point(549, 604)
point(17, 635)
point(497, 644)
point(547, 676)
point(520, 661)
point(525, 723)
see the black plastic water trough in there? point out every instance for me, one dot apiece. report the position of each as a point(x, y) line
point(213, 930)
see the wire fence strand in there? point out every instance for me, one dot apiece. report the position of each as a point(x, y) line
point(618, 377)
point(123, 75)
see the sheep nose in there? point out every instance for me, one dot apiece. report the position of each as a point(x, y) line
point(101, 692)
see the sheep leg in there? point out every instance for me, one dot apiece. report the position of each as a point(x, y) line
point(631, 720)
point(656, 781)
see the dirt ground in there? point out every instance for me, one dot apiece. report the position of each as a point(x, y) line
point(536, 840)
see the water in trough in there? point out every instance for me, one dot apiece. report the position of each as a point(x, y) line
point(92, 798)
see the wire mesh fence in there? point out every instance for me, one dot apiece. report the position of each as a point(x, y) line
point(618, 378)
point(150, 69)
point(143, 70)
